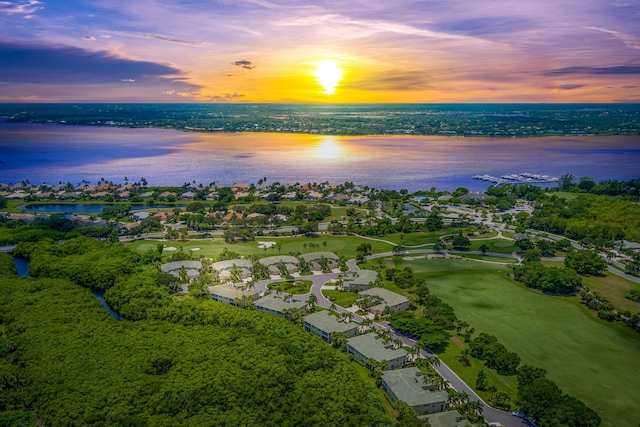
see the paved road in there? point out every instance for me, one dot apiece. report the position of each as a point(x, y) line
point(318, 280)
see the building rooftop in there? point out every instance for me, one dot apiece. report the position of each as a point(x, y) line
point(228, 264)
point(361, 276)
point(407, 385)
point(328, 322)
point(389, 298)
point(373, 348)
point(232, 292)
point(275, 303)
point(192, 267)
point(317, 256)
point(276, 260)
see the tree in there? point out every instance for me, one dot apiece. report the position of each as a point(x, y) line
point(312, 301)
point(461, 242)
point(482, 380)
point(585, 262)
point(565, 181)
point(484, 248)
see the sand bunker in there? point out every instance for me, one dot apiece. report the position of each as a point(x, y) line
point(194, 249)
point(266, 245)
point(169, 248)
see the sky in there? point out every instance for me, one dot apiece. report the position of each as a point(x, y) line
point(327, 51)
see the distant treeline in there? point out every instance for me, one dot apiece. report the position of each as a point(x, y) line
point(502, 120)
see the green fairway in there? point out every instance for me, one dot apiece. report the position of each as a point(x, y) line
point(498, 259)
point(588, 358)
point(211, 248)
point(501, 246)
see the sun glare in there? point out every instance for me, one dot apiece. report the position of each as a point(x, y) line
point(329, 75)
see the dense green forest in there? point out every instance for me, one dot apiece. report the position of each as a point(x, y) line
point(65, 361)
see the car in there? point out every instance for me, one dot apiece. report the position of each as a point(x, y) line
point(532, 422)
point(518, 414)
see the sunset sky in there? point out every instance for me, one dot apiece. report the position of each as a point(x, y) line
point(321, 51)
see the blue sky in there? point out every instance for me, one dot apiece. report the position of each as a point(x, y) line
point(269, 51)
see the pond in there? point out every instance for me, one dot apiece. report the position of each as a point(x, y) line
point(84, 208)
point(22, 265)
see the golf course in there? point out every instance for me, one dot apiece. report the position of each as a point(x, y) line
point(589, 358)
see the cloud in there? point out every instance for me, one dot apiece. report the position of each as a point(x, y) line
point(629, 40)
point(570, 86)
point(598, 71)
point(26, 8)
point(396, 81)
point(160, 37)
point(90, 38)
point(244, 64)
point(41, 64)
point(128, 80)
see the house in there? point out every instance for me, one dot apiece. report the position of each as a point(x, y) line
point(360, 280)
point(166, 194)
point(322, 324)
point(394, 301)
point(276, 305)
point(317, 260)
point(273, 263)
point(232, 294)
point(368, 346)
point(139, 216)
point(314, 195)
point(188, 195)
point(409, 386)
point(242, 268)
point(232, 215)
point(192, 268)
point(238, 187)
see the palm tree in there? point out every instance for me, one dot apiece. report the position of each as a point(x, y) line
point(313, 299)
point(333, 307)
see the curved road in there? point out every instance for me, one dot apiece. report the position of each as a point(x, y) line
point(318, 280)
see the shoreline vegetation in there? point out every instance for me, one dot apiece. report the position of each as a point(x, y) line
point(468, 120)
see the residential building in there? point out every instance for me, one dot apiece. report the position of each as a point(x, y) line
point(278, 305)
point(323, 324)
point(273, 263)
point(192, 268)
point(232, 294)
point(241, 268)
point(359, 280)
point(409, 386)
point(394, 301)
point(317, 259)
point(368, 346)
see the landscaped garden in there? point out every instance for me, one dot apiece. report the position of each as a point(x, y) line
point(296, 287)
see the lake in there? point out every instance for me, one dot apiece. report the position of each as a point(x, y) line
point(56, 153)
point(87, 209)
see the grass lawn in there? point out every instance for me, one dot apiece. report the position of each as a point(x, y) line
point(488, 258)
point(296, 287)
point(416, 239)
point(501, 246)
point(342, 298)
point(469, 373)
point(211, 248)
point(613, 287)
point(588, 358)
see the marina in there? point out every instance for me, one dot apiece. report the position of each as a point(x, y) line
point(520, 178)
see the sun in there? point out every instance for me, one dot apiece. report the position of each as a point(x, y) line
point(329, 75)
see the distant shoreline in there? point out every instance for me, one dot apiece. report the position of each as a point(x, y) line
point(462, 120)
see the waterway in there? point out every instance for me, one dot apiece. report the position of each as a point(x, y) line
point(22, 265)
point(52, 154)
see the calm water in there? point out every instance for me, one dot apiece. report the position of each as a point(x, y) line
point(52, 154)
point(80, 208)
